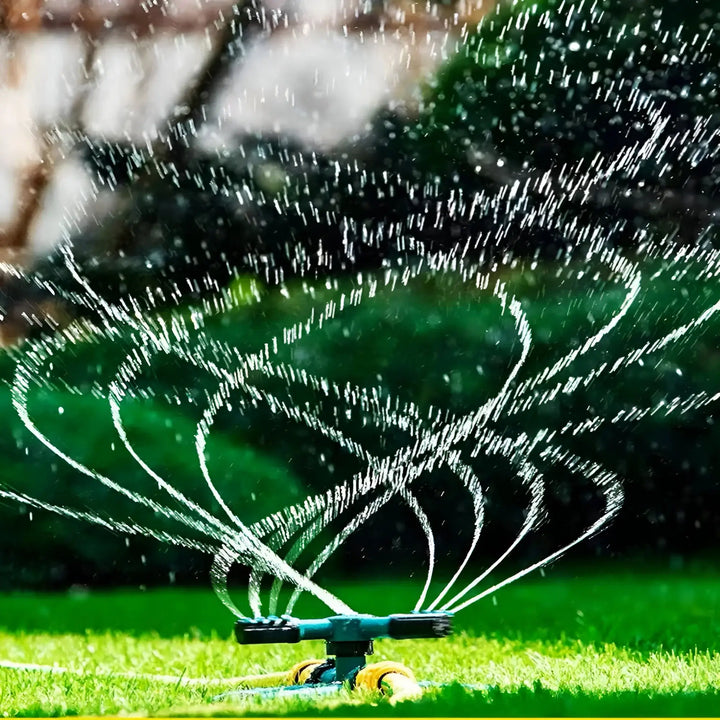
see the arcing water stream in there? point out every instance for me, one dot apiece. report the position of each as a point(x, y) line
point(275, 544)
point(397, 442)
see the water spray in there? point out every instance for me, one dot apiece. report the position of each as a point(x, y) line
point(348, 641)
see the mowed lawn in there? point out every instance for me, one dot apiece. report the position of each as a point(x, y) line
point(609, 641)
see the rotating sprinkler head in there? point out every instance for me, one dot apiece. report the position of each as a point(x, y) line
point(349, 638)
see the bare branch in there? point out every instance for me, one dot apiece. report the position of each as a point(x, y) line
point(137, 19)
point(34, 182)
point(21, 15)
point(141, 19)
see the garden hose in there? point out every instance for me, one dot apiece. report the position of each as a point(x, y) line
point(262, 681)
point(391, 678)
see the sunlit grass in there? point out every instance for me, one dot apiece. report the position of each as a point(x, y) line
point(607, 643)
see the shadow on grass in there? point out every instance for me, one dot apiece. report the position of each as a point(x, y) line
point(638, 609)
point(536, 701)
point(166, 613)
point(540, 702)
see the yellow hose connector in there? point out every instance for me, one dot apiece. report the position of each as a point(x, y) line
point(300, 673)
point(391, 678)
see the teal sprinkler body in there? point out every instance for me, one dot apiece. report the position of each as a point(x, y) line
point(348, 637)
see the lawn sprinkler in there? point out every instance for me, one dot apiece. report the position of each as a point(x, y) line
point(348, 641)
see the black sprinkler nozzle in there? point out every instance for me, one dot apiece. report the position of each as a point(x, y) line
point(267, 630)
point(420, 625)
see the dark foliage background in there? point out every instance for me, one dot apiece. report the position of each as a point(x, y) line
point(479, 128)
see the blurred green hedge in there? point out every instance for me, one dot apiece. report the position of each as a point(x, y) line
point(505, 96)
point(435, 342)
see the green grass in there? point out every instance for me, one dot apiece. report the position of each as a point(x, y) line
point(610, 642)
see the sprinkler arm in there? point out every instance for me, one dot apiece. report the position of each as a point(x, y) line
point(348, 637)
point(343, 628)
